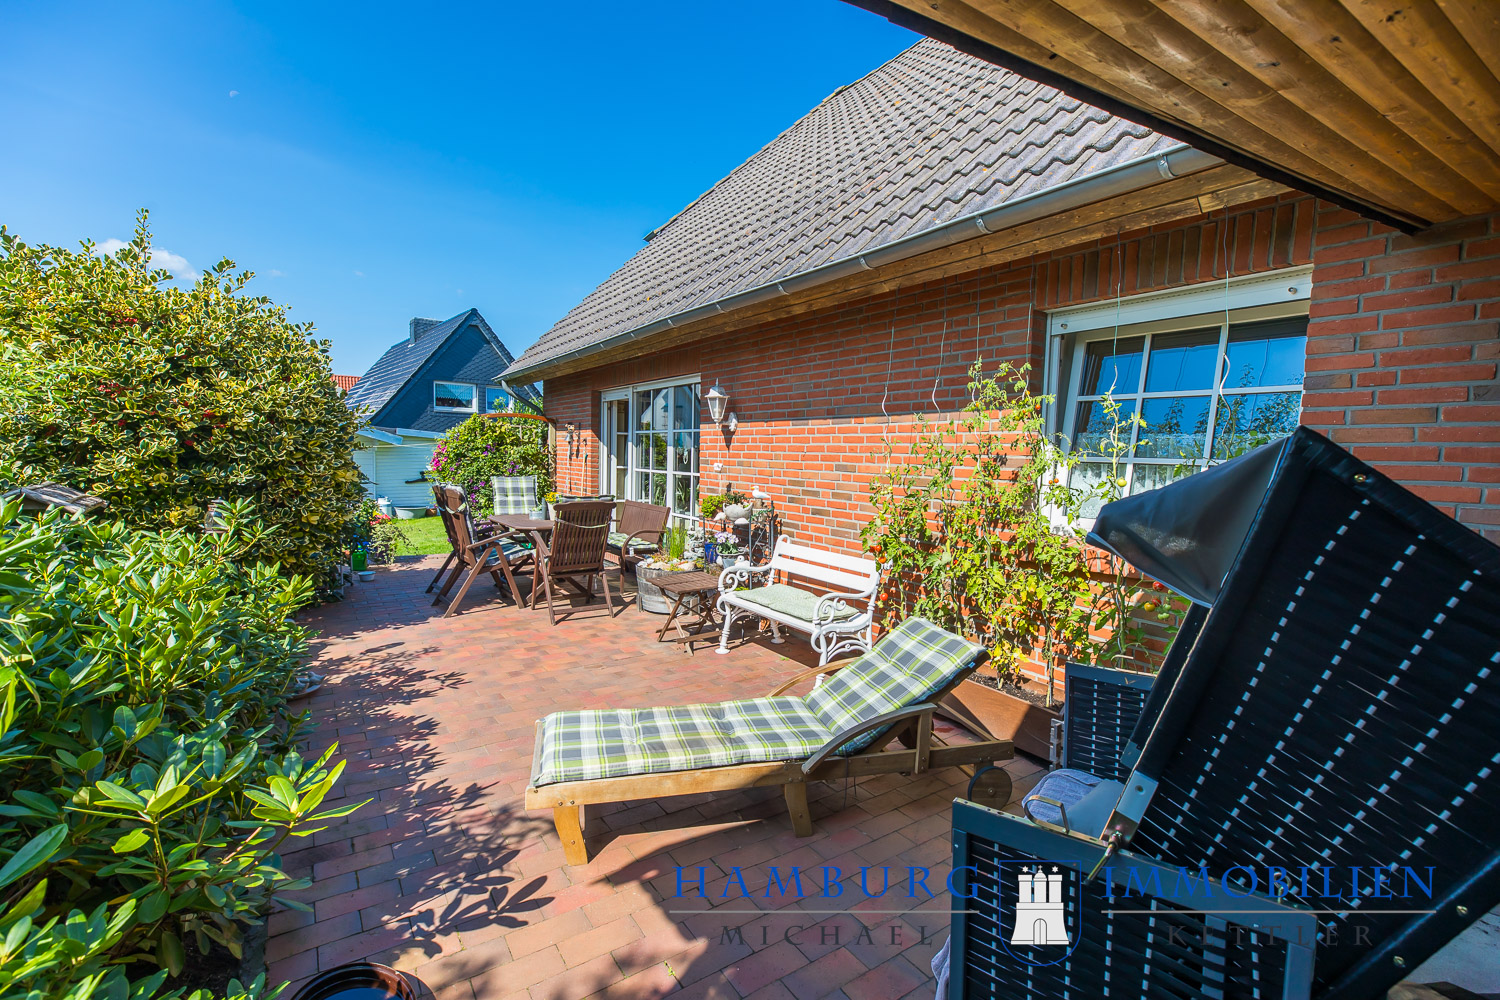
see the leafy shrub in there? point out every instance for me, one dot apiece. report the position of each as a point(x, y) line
point(984, 536)
point(145, 748)
point(482, 447)
point(160, 399)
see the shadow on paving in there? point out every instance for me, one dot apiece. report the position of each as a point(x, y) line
point(446, 875)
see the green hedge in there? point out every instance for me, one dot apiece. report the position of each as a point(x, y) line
point(160, 399)
point(146, 749)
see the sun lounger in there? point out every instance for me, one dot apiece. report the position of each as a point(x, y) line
point(840, 729)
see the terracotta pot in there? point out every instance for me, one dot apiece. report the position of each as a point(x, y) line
point(1003, 716)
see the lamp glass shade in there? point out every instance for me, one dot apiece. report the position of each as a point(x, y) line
point(718, 402)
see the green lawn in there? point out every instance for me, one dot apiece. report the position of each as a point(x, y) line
point(425, 537)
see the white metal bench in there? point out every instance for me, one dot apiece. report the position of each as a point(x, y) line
point(838, 621)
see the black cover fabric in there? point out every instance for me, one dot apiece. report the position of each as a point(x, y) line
point(1187, 535)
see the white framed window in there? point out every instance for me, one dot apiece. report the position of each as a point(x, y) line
point(497, 400)
point(454, 397)
point(649, 443)
point(1190, 386)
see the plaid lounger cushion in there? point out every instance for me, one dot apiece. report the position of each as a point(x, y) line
point(905, 667)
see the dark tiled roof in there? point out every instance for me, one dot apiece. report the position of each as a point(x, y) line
point(932, 135)
point(345, 382)
point(398, 364)
point(404, 359)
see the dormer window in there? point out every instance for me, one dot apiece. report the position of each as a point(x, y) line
point(496, 399)
point(454, 397)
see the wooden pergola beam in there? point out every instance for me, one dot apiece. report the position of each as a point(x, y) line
point(1389, 107)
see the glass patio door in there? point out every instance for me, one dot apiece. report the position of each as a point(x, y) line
point(649, 445)
point(614, 460)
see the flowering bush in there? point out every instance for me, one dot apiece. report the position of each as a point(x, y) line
point(147, 753)
point(160, 399)
point(482, 447)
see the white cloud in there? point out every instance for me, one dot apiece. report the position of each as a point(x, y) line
point(273, 273)
point(359, 274)
point(234, 93)
point(176, 263)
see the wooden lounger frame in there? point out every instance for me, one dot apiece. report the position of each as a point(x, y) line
point(922, 751)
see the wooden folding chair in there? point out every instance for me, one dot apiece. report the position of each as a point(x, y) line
point(494, 554)
point(575, 552)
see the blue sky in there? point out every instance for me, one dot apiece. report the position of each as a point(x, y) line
point(375, 162)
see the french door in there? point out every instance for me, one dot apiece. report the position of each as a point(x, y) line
point(649, 444)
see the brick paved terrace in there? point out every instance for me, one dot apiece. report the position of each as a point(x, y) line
point(446, 875)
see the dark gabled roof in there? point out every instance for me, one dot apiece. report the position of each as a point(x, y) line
point(405, 359)
point(929, 137)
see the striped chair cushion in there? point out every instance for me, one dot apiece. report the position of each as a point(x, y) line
point(617, 539)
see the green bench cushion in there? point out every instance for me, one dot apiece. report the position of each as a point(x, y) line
point(794, 602)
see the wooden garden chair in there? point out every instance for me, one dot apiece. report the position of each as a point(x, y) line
point(494, 554)
point(638, 531)
point(838, 730)
point(480, 531)
point(574, 553)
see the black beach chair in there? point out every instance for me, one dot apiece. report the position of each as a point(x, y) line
point(1339, 710)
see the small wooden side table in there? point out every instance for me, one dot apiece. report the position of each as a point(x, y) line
point(704, 587)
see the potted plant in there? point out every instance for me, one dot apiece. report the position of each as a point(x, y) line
point(670, 559)
point(1012, 708)
point(731, 504)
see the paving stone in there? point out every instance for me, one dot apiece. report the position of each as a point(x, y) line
point(447, 875)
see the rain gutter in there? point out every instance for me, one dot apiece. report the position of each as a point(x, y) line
point(1125, 178)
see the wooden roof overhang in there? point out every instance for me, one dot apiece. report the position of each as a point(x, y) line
point(1388, 107)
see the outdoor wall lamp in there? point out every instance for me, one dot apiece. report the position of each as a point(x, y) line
point(718, 402)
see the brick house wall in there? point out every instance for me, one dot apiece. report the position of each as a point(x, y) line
point(1402, 333)
point(1401, 355)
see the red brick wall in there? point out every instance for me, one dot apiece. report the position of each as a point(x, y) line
point(1401, 365)
point(813, 393)
point(1402, 348)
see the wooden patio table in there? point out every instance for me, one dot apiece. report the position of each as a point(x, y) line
point(681, 586)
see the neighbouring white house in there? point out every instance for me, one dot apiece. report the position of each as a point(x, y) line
point(441, 374)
